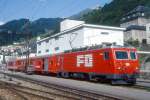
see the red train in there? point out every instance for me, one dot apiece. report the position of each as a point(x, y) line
point(118, 64)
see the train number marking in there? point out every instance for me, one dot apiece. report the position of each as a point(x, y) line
point(86, 60)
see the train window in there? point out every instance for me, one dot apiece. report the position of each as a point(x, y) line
point(104, 33)
point(19, 63)
point(57, 48)
point(31, 62)
point(132, 55)
point(39, 63)
point(121, 55)
point(10, 63)
point(47, 50)
point(106, 55)
point(39, 51)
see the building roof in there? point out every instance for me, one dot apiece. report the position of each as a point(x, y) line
point(81, 26)
point(138, 9)
point(136, 27)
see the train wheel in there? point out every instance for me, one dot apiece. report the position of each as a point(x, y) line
point(59, 74)
point(113, 82)
point(132, 82)
point(89, 77)
point(118, 82)
point(65, 74)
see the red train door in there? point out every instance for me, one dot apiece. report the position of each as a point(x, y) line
point(107, 59)
point(46, 65)
point(60, 62)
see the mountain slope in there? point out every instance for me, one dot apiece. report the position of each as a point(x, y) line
point(80, 14)
point(19, 30)
point(111, 13)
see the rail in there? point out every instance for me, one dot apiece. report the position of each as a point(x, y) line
point(72, 92)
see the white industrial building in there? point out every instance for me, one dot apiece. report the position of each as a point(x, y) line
point(76, 34)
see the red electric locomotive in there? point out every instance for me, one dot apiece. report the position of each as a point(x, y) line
point(118, 64)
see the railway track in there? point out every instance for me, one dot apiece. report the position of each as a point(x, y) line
point(19, 93)
point(54, 91)
point(143, 84)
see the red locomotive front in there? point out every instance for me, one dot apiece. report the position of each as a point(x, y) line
point(126, 64)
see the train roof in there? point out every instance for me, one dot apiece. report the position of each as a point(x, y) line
point(87, 48)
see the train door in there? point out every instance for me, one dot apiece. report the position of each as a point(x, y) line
point(61, 70)
point(61, 63)
point(46, 65)
point(107, 59)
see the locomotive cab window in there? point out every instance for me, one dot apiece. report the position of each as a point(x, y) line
point(10, 63)
point(121, 55)
point(132, 55)
point(106, 55)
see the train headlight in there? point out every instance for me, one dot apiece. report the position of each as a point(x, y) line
point(119, 68)
point(127, 64)
point(137, 68)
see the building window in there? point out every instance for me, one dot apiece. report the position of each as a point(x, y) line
point(133, 15)
point(57, 48)
point(138, 13)
point(47, 41)
point(47, 50)
point(39, 43)
point(121, 55)
point(123, 18)
point(104, 33)
point(57, 38)
point(39, 52)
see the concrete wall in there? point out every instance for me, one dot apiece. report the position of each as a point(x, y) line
point(135, 34)
point(99, 36)
point(80, 36)
point(148, 33)
point(139, 21)
point(57, 45)
point(127, 24)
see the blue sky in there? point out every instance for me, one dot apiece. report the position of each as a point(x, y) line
point(34, 9)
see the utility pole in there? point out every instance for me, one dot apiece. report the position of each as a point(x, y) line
point(27, 32)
